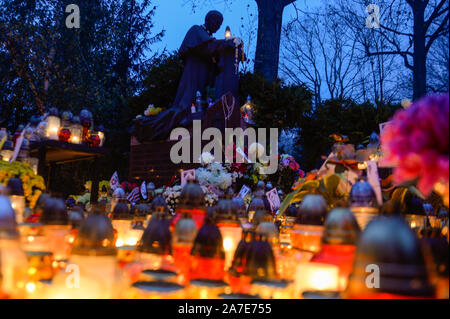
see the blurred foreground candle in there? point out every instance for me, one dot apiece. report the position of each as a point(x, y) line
point(122, 221)
point(316, 277)
point(40, 265)
point(308, 228)
point(53, 125)
point(92, 271)
point(17, 198)
point(56, 229)
point(260, 260)
point(390, 252)
point(155, 290)
point(339, 243)
point(230, 228)
point(207, 289)
point(13, 261)
point(207, 254)
point(363, 203)
point(154, 250)
point(238, 282)
point(182, 242)
point(192, 200)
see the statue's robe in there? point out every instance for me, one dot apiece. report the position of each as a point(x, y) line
point(199, 51)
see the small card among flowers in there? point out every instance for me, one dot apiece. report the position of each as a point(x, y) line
point(274, 199)
point(187, 176)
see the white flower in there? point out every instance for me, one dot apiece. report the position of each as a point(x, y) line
point(206, 158)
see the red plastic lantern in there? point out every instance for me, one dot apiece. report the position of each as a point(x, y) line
point(64, 134)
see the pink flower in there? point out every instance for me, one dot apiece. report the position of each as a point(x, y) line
point(417, 143)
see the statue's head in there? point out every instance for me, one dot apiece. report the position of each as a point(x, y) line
point(213, 21)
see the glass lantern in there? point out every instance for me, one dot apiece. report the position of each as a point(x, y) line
point(17, 198)
point(13, 259)
point(53, 126)
point(7, 151)
point(93, 271)
point(77, 131)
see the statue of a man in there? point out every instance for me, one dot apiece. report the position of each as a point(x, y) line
point(200, 53)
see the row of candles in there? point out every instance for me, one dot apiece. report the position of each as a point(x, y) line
point(230, 251)
point(76, 130)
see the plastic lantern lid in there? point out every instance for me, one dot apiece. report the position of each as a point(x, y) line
point(158, 202)
point(142, 210)
point(185, 230)
point(8, 225)
point(226, 212)
point(362, 195)
point(208, 243)
point(15, 187)
point(121, 212)
point(54, 212)
point(312, 211)
point(240, 206)
point(256, 204)
point(269, 230)
point(192, 196)
point(341, 228)
point(156, 238)
point(260, 260)
point(240, 254)
point(292, 211)
point(390, 245)
point(53, 111)
point(261, 216)
point(95, 237)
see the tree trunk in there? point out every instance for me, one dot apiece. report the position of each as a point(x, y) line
point(419, 58)
point(270, 17)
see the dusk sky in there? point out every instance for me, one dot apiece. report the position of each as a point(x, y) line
point(177, 16)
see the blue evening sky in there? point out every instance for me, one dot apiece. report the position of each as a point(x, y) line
point(177, 16)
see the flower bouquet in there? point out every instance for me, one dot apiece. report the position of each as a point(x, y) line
point(416, 143)
point(33, 185)
point(172, 197)
point(214, 173)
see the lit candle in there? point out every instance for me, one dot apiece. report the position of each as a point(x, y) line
point(228, 33)
point(231, 237)
point(53, 126)
point(316, 277)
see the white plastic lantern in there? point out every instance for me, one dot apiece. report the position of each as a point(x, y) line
point(316, 277)
point(53, 126)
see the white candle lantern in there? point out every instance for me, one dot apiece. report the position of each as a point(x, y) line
point(77, 132)
point(17, 198)
point(7, 151)
point(92, 271)
point(316, 277)
point(53, 126)
point(13, 259)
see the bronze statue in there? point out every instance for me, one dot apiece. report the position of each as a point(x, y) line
point(204, 60)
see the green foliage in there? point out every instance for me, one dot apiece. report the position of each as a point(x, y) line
point(160, 83)
point(277, 105)
point(98, 67)
point(346, 117)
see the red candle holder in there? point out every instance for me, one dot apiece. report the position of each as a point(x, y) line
point(64, 134)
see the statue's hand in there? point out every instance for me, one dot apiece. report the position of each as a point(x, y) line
point(237, 42)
